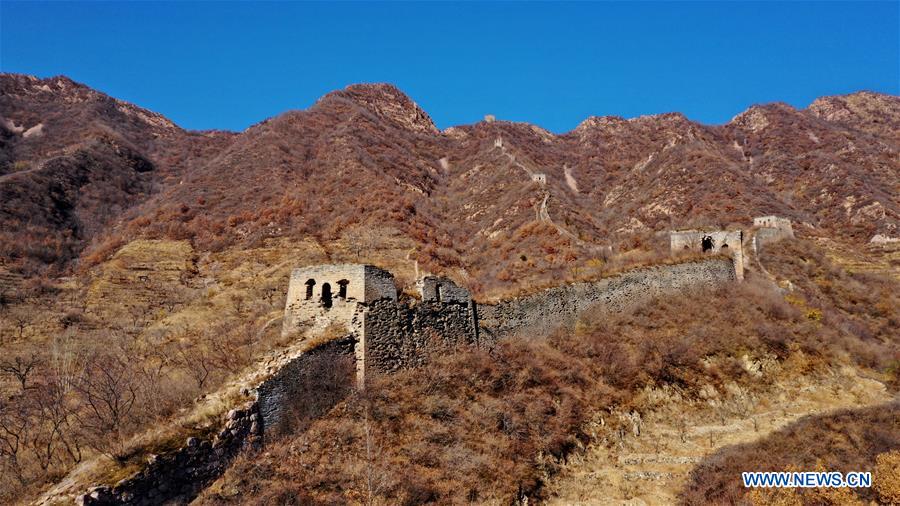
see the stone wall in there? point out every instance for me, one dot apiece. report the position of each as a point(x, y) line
point(440, 289)
point(764, 236)
point(402, 335)
point(178, 477)
point(395, 335)
point(311, 318)
point(307, 386)
point(540, 313)
point(782, 224)
point(711, 241)
point(320, 295)
point(379, 285)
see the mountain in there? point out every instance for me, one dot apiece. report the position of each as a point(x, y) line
point(145, 266)
point(468, 200)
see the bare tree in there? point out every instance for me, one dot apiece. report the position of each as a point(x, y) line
point(54, 439)
point(21, 321)
point(14, 428)
point(20, 367)
point(196, 361)
point(360, 240)
point(151, 373)
point(108, 391)
point(140, 314)
point(238, 303)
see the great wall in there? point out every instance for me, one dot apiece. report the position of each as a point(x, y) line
point(374, 329)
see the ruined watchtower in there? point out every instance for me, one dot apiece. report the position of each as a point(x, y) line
point(770, 229)
point(324, 295)
point(440, 289)
point(711, 241)
point(775, 222)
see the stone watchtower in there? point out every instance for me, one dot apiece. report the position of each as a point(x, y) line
point(330, 295)
point(360, 302)
point(729, 242)
point(776, 222)
point(770, 229)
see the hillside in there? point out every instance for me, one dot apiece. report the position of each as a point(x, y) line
point(369, 156)
point(146, 266)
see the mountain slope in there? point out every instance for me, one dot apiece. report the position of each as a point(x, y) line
point(368, 156)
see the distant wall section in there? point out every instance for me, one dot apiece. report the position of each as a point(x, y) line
point(729, 242)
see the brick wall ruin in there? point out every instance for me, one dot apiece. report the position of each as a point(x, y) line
point(730, 242)
point(391, 334)
point(544, 311)
point(770, 229)
point(402, 335)
point(179, 476)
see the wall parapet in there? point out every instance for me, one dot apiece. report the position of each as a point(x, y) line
point(179, 476)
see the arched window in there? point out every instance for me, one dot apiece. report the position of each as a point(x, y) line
point(707, 243)
point(326, 295)
point(309, 288)
point(342, 288)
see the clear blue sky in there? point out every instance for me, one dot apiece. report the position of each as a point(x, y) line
point(229, 65)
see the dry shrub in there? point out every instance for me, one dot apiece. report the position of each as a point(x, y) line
point(845, 441)
point(886, 478)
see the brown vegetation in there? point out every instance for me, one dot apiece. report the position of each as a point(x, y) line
point(367, 157)
point(851, 440)
point(491, 425)
point(357, 178)
point(80, 377)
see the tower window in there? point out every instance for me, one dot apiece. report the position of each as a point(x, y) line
point(326, 295)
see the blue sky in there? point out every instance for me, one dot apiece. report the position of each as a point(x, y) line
point(229, 65)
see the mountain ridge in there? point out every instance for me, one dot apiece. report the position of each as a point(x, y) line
point(368, 156)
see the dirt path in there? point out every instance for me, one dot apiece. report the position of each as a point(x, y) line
point(650, 468)
point(6, 177)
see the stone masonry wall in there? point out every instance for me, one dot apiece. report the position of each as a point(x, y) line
point(305, 306)
point(178, 477)
point(722, 241)
point(307, 386)
point(440, 289)
point(395, 335)
point(401, 335)
point(782, 224)
point(764, 236)
point(561, 306)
